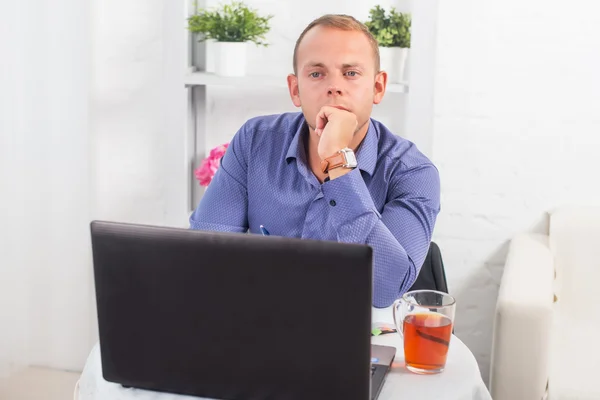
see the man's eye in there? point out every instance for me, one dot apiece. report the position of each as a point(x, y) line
point(351, 73)
point(315, 74)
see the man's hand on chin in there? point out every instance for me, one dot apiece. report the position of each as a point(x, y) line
point(335, 128)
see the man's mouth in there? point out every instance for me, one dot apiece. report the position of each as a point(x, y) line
point(339, 107)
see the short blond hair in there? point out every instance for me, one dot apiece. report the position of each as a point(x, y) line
point(343, 22)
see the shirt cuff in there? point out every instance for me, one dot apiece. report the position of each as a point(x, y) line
point(351, 206)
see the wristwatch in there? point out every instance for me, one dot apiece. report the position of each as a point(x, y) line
point(344, 158)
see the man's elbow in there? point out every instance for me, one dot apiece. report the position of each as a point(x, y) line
point(385, 295)
point(383, 303)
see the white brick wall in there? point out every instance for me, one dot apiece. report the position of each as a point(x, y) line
point(516, 133)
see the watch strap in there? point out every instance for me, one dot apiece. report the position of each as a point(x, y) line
point(335, 161)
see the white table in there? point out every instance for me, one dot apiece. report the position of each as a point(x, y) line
point(461, 379)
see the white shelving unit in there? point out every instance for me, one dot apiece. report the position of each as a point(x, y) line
point(206, 79)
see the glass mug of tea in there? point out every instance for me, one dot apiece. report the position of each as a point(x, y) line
point(425, 319)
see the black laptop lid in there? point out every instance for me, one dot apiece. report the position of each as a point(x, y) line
point(232, 316)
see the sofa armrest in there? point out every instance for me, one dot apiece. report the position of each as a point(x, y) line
point(523, 320)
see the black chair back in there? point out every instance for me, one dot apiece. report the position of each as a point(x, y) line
point(432, 275)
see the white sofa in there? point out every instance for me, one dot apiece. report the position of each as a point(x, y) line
point(546, 341)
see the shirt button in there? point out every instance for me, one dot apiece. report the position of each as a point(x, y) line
point(332, 203)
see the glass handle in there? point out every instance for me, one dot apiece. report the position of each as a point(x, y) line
point(398, 315)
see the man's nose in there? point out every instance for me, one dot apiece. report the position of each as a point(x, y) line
point(334, 90)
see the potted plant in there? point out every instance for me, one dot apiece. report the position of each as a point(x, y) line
point(392, 32)
point(232, 27)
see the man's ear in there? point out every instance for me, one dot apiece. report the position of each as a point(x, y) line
point(292, 81)
point(379, 87)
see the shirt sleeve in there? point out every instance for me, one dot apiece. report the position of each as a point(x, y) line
point(224, 205)
point(400, 235)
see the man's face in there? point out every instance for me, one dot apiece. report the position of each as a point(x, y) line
point(336, 68)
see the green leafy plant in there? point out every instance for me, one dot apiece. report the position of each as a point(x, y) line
point(233, 22)
point(392, 30)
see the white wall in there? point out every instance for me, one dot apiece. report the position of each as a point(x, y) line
point(45, 283)
point(126, 113)
point(62, 165)
point(516, 133)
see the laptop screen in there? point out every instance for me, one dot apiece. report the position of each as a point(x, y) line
point(227, 315)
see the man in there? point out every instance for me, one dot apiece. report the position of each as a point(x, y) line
point(296, 173)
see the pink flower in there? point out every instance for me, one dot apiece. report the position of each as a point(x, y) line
point(205, 172)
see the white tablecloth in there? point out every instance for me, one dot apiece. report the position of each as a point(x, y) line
point(461, 379)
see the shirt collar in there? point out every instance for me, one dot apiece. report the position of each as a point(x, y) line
point(295, 148)
point(366, 154)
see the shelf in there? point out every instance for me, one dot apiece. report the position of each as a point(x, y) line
point(205, 79)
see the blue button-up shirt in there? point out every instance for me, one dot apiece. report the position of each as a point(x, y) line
point(389, 202)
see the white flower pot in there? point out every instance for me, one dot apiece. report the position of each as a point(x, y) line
point(230, 58)
point(210, 55)
point(393, 61)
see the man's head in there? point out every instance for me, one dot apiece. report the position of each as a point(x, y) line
point(336, 62)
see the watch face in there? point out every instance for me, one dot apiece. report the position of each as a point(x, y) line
point(350, 158)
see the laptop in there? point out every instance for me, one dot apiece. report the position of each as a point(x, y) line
point(235, 316)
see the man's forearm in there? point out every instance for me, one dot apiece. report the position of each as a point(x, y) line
point(357, 221)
